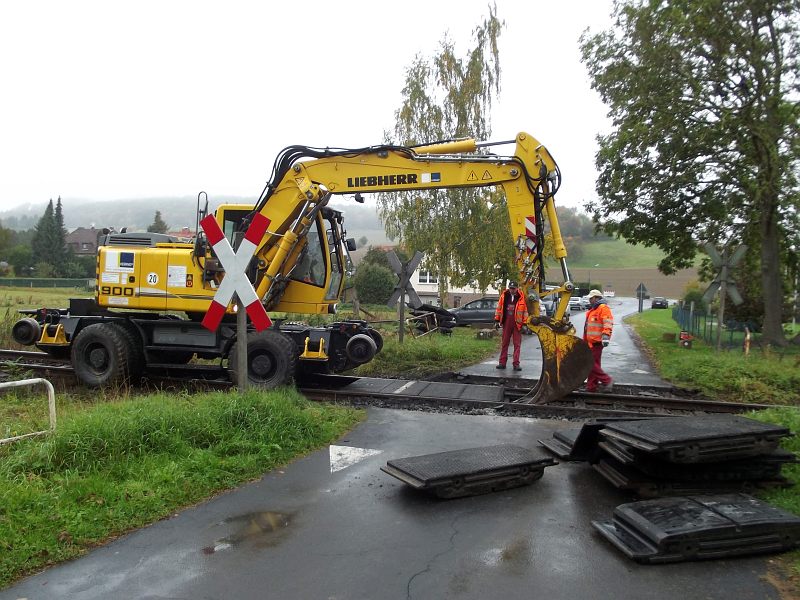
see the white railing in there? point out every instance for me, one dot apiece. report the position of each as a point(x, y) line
point(51, 401)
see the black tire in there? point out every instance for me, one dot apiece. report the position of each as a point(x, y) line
point(104, 354)
point(376, 335)
point(271, 360)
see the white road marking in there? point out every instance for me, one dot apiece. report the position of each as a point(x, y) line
point(639, 371)
point(344, 456)
point(403, 387)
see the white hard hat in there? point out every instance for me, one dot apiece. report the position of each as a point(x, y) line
point(594, 293)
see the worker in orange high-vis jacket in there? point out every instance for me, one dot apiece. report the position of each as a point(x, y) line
point(597, 333)
point(511, 313)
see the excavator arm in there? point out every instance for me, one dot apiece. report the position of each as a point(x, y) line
point(304, 179)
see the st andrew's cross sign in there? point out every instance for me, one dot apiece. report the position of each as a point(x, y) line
point(235, 280)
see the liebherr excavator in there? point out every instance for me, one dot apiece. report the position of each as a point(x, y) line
point(299, 267)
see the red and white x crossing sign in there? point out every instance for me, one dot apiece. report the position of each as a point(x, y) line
point(235, 280)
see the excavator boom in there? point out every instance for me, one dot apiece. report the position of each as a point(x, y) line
point(529, 179)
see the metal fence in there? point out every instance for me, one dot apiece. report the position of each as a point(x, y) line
point(704, 326)
point(51, 406)
point(47, 282)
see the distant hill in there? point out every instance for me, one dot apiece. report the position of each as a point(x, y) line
point(615, 254)
point(177, 212)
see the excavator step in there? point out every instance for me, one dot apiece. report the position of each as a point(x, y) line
point(471, 471)
point(699, 527)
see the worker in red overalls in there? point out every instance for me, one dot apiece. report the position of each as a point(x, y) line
point(597, 333)
point(511, 313)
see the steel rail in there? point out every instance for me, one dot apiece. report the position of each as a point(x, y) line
point(333, 388)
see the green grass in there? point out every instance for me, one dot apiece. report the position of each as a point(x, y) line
point(429, 355)
point(616, 254)
point(114, 466)
point(766, 377)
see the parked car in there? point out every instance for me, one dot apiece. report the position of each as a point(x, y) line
point(659, 302)
point(577, 303)
point(477, 311)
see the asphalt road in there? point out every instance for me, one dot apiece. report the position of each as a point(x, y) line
point(332, 526)
point(622, 359)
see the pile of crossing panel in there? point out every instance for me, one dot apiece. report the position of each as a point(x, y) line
point(695, 470)
point(679, 455)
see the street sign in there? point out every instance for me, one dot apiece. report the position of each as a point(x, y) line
point(721, 283)
point(403, 287)
point(641, 294)
point(404, 272)
point(235, 280)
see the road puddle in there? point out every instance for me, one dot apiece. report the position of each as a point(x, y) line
point(261, 529)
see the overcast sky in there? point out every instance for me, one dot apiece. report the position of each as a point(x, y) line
point(105, 100)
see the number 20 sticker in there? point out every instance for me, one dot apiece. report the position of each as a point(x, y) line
point(152, 278)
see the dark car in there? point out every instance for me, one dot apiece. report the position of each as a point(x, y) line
point(477, 311)
point(659, 302)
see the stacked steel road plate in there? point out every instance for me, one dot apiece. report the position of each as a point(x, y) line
point(679, 455)
point(700, 527)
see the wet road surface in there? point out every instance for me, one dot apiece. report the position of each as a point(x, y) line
point(333, 526)
point(622, 359)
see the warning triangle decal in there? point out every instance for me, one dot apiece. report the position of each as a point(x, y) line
point(345, 456)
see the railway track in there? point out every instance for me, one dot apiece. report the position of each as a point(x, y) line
point(486, 395)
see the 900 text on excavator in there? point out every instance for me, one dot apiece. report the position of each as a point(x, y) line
point(299, 266)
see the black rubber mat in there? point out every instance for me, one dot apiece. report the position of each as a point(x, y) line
point(472, 470)
point(765, 466)
point(577, 443)
point(627, 478)
point(695, 439)
point(699, 527)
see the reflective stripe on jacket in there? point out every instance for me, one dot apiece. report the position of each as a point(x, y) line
point(599, 322)
point(520, 310)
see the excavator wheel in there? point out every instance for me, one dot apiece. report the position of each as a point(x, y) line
point(271, 360)
point(378, 338)
point(104, 354)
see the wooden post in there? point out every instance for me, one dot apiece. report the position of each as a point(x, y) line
point(401, 317)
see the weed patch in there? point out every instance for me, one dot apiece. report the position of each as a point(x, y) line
point(115, 466)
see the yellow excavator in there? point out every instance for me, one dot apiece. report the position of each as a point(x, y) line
point(147, 282)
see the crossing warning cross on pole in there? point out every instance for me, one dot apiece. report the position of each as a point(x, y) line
point(235, 280)
point(403, 287)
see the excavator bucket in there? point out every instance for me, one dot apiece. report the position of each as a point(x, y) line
point(566, 362)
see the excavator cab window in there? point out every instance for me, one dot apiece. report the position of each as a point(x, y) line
point(231, 222)
point(312, 268)
point(337, 266)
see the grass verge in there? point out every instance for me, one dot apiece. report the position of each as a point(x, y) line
point(766, 377)
point(429, 355)
point(115, 466)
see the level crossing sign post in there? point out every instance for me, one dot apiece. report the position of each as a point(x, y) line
point(403, 287)
point(235, 283)
point(641, 294)
point(723, 262)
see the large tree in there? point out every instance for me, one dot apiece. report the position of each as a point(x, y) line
point(158, 225)
point(464, 233)
point(704, 146)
